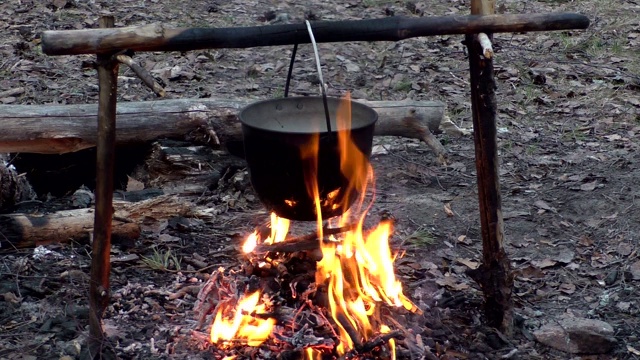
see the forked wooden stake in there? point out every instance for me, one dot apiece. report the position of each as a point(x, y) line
point(100, 264)
point(494, 274)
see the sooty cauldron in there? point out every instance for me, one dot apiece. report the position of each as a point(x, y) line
point(275, 131)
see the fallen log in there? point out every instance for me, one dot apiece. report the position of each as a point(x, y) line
point(28, 230)
point(58, 129)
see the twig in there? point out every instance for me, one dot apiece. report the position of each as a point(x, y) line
point(11, 92)
point(146, 78)
point(372, 344)
point(353, 333)
point(191, 289)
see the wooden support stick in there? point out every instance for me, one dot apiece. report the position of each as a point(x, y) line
point(493, 276)
point(100, 260)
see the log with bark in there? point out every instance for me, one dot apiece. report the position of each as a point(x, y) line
point(57, 129)
point(21, 230)
point(28, 230)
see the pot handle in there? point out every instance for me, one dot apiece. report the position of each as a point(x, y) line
point(322, 87)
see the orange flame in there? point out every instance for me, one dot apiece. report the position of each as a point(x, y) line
point(392, 343)
point(312, 354)
point(243, 325)
point(360, 270)
point(354, 165)
point(279, 230)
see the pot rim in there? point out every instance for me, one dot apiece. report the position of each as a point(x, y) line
point(365, 122)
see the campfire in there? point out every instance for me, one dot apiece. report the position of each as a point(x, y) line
point(329, 293)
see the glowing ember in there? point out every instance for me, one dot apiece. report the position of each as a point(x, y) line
point(242, 326)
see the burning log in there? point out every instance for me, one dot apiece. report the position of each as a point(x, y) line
point(57, 129)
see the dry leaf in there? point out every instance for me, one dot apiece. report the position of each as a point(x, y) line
point(585, 241)
point(634, 269)
point(543, 205)
point(590, 186)
point(451, 283)
point(11, 298)
point(567, 288)
point(447, 209)
point(633, 350)
point(134, 185)
point(464, 240)
point(59, 3)
point(468, 263)
point(624, 249)
point(544, 263)
point(530, 272)
point(623, 305)
point(123, 258)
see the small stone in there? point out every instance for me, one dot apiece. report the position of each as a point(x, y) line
point(577, 336)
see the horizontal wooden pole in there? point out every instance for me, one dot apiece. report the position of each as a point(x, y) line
point(160, 38)
point(57, 129)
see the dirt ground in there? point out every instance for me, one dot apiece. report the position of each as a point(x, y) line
point(569, 119)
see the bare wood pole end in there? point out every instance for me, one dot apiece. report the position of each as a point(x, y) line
point(99, 289)
point(494, 275)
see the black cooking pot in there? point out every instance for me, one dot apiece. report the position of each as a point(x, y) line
point(275, 131)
